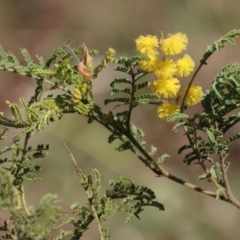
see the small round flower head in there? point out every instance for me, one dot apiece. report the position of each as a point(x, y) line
point(194, 95)
point(167, 109)
point(166, 88)
point(174, 44)
point(185, 66)
point(110, 54)
point(147, 44)
point(148, 64)
point(165, 68)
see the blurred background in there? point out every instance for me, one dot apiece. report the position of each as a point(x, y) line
point(42, 26)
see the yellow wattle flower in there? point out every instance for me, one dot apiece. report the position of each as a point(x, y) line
point(174, 44)
point(148, 64)
point(185, 66)
point(147, 45)
point(166, 88)
point(167, 109)
point(165, 68)
point(194, 95)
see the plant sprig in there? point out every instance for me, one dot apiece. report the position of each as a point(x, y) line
point(205, 132)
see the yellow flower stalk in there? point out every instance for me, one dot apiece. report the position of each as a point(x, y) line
point(185, 66)
point(147, 45)
point(167, 109)
point(166, 88)
point(174, 44)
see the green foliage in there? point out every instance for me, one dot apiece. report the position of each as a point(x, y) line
point(218, 104)
point(205, 132)
point(162, 158)
point(177, 116)
point(40, 222)
point(178, 125)
point(134, 198)
point(137, 133)
point(220, 43)
point(133, 86)
point(10, 199)
point(57, 74)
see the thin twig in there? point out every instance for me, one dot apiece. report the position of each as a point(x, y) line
point(24, 152)
point(79, 173)
point(189, 86)
point(203, 61)
point(72, 52)
point(228, 190)
point(217, 185)
point(198, 154)
point(225, 178)
point(23, 201)
point(131, 100)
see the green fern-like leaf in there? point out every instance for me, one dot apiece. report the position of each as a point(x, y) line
point(219, 193)
point(123, 69)
point(10, 123)
point(3, 54)
point(153, 150)
point(13, 59)
point(41, 61)
point(146, 98)
point(125, 146)
point(115, 135)
point(119, 81)
point(232, 139)
point(177, 116)
point(15, 112)
point(184, 147)
point(219, 44)
point(26, 56)
point(189, 158)
point(127, 61)
point(123, 100)
point(122, 90)
point(178, 125)
point(161, 159)
point(210, 135)
point(43, 72)
point(140, 86)
point(216, 172)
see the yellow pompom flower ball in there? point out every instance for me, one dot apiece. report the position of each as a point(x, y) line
point(174, 44)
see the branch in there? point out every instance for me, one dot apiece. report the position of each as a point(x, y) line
point(206, 170)
point(201, 163)
point(24, 152)
point(228, 190)
point(159, 170)
point(94, 211)
point(131, 100)
point(163, 172)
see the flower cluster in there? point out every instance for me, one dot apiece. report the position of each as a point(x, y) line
point(167, 71)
